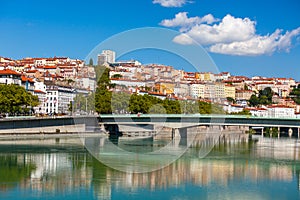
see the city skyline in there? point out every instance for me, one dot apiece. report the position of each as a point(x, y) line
point(36, 29)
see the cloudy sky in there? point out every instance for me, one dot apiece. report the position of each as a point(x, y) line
point(243, 37)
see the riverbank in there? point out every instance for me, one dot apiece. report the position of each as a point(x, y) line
point(40, 136)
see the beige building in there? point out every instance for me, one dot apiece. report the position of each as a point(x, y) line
point(197, 90)
point(165, 87)
point(219, 90)
point(230, 91)
point(243, 94)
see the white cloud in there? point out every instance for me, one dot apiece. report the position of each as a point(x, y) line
point(183, 39)
point(258, 45)
point(184, 22)
point(228, 30)
point(231, 35)
point(170, 3)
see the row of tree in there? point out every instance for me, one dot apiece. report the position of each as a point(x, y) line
point(104, 101)
point(121, 102)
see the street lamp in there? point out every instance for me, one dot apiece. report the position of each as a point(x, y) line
point(86, 106)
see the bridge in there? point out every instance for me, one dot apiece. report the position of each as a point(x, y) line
point(183, 121)
point(175, 121)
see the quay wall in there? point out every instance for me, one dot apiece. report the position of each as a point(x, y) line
point(46, 129)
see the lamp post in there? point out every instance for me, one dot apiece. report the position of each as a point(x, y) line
point(86, 106)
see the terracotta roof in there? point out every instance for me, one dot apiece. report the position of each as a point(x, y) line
point(278, 106)
point(49, 67)
point(31, 71)
point(39, 91)
point(24, 79)
point(9, 72)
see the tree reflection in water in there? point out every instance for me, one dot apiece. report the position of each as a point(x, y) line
point(72, 170)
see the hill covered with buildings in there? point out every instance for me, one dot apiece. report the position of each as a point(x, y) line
point(59, 82)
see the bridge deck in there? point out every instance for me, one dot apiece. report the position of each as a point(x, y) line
point(233, 120)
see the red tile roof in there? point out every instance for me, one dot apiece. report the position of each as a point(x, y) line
point(39, 91)
point(24, 79)
point(9, 72)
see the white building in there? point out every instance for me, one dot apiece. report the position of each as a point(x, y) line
point(107, 56)
point(41, 92)
point(86, 83)
point(233, 108)
point(197, 90)
point(8, 76)
point(128, 83)
point(182, 89)
point(40, 61)
point(42, 96)
point(58, 99)
point(258, 112)
point(280, 111)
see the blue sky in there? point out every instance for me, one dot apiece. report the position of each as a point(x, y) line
point(239, 35)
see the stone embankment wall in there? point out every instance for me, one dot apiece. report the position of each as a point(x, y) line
point(47, 129)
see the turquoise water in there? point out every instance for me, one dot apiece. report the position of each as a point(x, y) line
point(268, 169)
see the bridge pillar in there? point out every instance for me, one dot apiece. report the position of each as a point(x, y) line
point(298, 132)
point(112, 129)
point(290, 132)
point(278, 132)
point(262, 131)
point(173, 133)
point(181, 134)
point(176, 133)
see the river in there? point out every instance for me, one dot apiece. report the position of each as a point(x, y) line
point(267, 169)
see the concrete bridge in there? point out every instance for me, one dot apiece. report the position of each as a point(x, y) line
point(47, 124)
point(181, 122)
point(112, 122)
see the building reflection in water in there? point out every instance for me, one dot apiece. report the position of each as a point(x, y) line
point(71, 170)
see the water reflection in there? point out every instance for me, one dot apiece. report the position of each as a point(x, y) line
point(229, 171)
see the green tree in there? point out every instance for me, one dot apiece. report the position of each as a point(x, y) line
point(209, 108)
point(91, 62)
point(295, 94)
point(102, 74)
point(157, 109)
point(264, 97)
point(103, 95)
point(254, 101)
point(83, 103)
point(230, 99)
point(16, 100)
point(172, 106)
point(243, 112)
point(189, 107)
point(216, 109)
point(120, 102)
point(103, 101)
point(117, 76)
